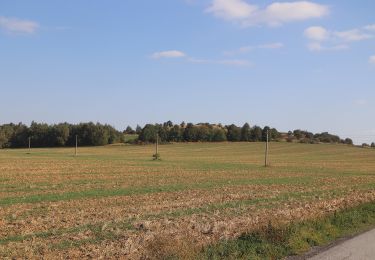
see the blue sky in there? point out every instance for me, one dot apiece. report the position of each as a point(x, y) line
point(288, 64)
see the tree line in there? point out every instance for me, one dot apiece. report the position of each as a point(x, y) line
point(58, 135)
point(96, 134)
point(205, 132)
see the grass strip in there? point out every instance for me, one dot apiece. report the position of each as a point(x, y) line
point(100, 193)
point(277, 242)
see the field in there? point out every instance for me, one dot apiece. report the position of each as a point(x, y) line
point(115, 201)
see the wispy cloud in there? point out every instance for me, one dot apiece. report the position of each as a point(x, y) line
point(230, 62)
point(249, 48)
point(275, 14)
point(360, 102)
point(179, 54)
point(15, 25)
point(168, 54)
point(276, 45)
point(317, 46)
point(322, 39)
point(372, 59)
point(370, 27)
point(353, 35)
point(240, 63)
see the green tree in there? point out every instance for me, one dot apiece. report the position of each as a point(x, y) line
point(59, 134)
point(234, 133)
point(218, 135)
point(274, 134)
point(348, 141)
point(256, 134)
point(3, 139)
point(246, 133)
point(264, 133)
point(148, 134)
point(175, 134)
point(138, 129)
point(190, 133)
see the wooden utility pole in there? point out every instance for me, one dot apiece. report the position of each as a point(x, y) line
point(76, 151)
point(266, 154)
point(157, 145)
point(156, 155)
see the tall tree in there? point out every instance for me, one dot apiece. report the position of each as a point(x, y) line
point(256, 134)
point(234, 133)
point(246, 133)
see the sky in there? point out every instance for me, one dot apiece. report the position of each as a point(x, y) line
point(306, 65)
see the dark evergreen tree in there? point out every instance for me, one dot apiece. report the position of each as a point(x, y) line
point(256, 134)
point(246, 133)
point(138, 130)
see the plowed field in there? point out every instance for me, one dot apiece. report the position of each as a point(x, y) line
point(116, 202)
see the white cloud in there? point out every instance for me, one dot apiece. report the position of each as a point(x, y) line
point(360, 102)
point(372, 59)
point(321, 39)
point(274, 14)
point(278, 13)
point(247, 49)
point(231, 9)
point(370, 27)
point(15, 25)
point(186, 58)
point(317, 46)
point(240, 63)
point(317, 33)
point(168, 54)
point(353, 35)
point(276, 45)
point(237, 63)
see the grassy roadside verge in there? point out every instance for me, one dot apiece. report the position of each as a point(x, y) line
point(277, 242)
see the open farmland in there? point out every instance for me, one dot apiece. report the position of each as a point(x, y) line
point(114, 201)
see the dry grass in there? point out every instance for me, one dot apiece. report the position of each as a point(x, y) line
point(116, 201)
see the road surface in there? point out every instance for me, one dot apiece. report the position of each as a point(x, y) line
point(361, 247)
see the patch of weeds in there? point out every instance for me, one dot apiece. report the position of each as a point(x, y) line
point(277, 242)
point(66, 244)
point(156, 157)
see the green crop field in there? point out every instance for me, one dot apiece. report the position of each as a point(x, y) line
point(115, 201)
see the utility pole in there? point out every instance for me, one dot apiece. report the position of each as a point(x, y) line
point(266, 154)
point(76, 145)
point(156, 155)
point(157, 145)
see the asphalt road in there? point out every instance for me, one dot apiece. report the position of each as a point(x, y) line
point(361, 247)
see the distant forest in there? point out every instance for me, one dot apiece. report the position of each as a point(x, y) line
point(91, 134)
